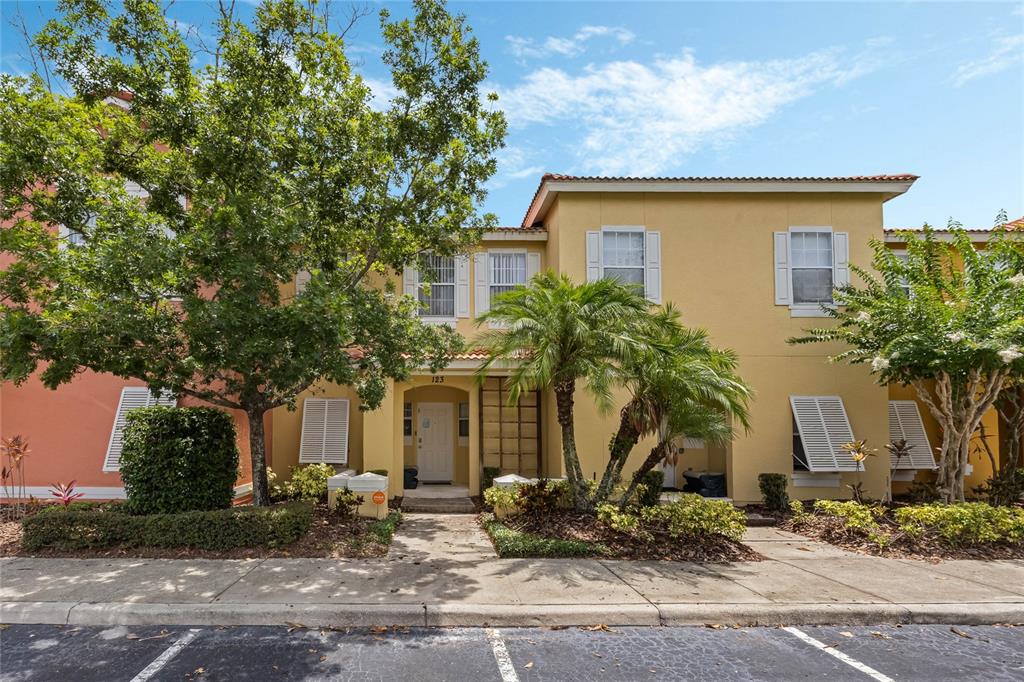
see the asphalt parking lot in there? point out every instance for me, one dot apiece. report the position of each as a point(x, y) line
point(910, 652)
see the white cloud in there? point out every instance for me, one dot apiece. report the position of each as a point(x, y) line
point(1007, 51)
point(639, 118)
point(515, 163)
point(525, 48)
point(382, 92)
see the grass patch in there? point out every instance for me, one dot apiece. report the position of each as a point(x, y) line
point(509, 542)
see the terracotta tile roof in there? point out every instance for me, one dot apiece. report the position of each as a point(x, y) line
point(516, 228)
point(899, 177)
point(472, 354)
point(560, 177)
point(1017, 224)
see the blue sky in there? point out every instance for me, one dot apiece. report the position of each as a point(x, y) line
point(935, 89)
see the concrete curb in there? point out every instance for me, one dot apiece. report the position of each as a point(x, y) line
point(507, 615)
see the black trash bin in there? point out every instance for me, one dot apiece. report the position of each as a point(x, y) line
point(410, 477)
point(713, 485)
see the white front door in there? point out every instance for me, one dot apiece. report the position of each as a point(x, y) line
point(435, 450)
point(670, 475)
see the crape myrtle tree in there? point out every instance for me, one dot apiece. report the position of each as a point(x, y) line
point(235, 165)
point(957, 337)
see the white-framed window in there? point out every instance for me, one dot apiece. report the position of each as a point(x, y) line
point(437, 286)
point(441, 285)
point(809, 263)
point(622, 256)
point(407, 423)
point(821, 428)
point(499, 270)
point(813, 266)
point(324, 431)
point(463, 423)
point(629, 254)
point(132, 397)
point(506, 271)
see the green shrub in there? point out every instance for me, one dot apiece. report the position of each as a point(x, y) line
point(109, 525)
point(509, 542)
point(384, 529)
point(796, 508)
point(652, 483)
point(179, 459)
point(1005, 489)
point(693, 517)
point(773, 491)
point(858, 518)
point(541, 498)
point(346, 503)
point(488, 476)
point(309, 482)
point(970, 523)
point(504, 501)
point(622, 521)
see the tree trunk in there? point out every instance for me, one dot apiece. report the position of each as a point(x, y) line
point(258, 457)
point(958, 405)
point(657, 454)
point(1011, 409)
point(564, 401)
point(622, 444)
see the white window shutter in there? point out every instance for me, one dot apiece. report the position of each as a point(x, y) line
point(324, 431)
point(410, 281)
point(782, 282)
point(532, 265)
point(132, 397)
point(302, 278)
point(841, 258)
point(482, 280)
point(693, 443)
point(462, 286)
point(905, 423)
point(593, 256)
point(652, 266)
point(824, 428)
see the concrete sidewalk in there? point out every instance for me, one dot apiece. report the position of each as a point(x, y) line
point(443, 572)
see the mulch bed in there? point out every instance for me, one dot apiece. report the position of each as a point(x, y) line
point(329, 537)
point(571, 525)
point(831, 530)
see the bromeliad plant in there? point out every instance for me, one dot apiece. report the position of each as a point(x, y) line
point(956, 338)
point(859, 452)
point(65, 493)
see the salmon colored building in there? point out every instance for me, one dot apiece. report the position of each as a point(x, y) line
point(749, 259)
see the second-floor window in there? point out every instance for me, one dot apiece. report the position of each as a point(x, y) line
point(622, 256)
point(437, 286)
point(812, 267)
point(506, 272)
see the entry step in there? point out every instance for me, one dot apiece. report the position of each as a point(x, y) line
point(438, 505)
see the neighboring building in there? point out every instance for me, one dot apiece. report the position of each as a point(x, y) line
point(749, 259)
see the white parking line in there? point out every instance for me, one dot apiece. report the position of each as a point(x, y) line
point(831, 651)
point(163, 659)
point(505, 667)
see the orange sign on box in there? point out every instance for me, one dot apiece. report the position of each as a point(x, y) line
point(379, 497)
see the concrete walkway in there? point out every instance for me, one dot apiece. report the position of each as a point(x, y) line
point(442, 571)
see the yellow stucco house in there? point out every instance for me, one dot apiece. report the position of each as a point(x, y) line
point(749, 259)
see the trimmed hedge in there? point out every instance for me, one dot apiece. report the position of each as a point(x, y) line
point(90, 526)
point(773, 491)
point(179, 459)
point(650, 494)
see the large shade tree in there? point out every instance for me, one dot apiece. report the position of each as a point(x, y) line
point(947, 319)
point(234, 165)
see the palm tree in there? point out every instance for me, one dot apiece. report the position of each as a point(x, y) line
point(555, 333)
point(689, 389)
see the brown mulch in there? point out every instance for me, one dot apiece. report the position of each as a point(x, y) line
point(571, 525)
point(831, 530)
point(329, 537)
